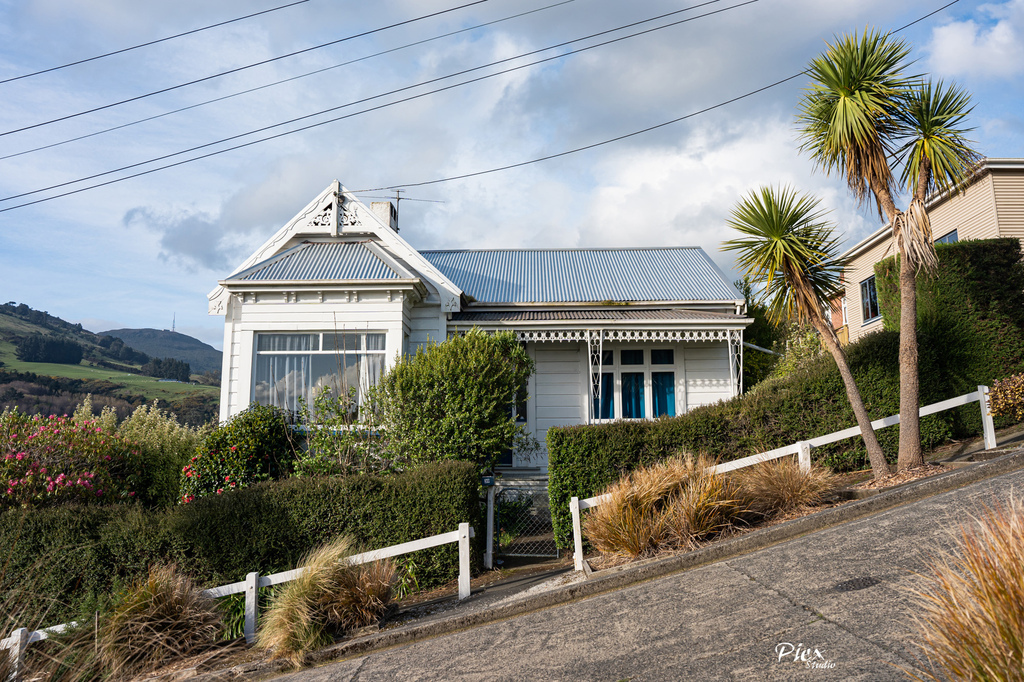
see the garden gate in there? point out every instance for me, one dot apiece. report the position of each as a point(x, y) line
point(523, 522)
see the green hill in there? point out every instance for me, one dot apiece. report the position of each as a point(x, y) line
point(110, 370)
point(164, 344)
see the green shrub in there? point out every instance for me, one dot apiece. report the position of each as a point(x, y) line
point(255, 445)
point(164, 447)
point(334, 445)
point(267, 528)
point(454, 400)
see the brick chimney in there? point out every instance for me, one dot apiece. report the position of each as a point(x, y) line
point(387, 213)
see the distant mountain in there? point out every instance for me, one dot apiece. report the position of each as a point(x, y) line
point(158, 343)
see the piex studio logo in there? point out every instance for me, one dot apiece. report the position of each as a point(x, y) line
point(809, 657)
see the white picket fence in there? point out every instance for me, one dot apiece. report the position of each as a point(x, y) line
point(802, 450)
point(22, 637)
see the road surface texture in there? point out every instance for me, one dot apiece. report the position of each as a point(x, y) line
point(836, 597)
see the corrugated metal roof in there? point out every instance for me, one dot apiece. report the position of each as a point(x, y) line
point(584, 275)
point(612, 313)
point(317, 261)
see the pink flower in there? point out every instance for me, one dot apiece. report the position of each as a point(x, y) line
point(227, 478)
point(220, 490)
point(20, 456)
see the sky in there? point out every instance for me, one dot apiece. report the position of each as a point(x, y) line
point(145, 251)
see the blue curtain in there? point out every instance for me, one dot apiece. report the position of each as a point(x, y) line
point(633, 395)
point(606, 408)
point(663, 388)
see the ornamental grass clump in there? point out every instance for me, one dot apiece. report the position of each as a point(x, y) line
point(971, 625)
point(779, 486)
point(157, 620)
point(330, 598)
point(673, 504)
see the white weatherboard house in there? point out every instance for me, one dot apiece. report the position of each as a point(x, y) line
point(336, 295)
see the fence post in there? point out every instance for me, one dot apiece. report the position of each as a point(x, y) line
point(489, 546)
point(805, 456)
point(252, 605)
point(463, 561)
point(17, 652)
point(577, 534)
point(988, 427)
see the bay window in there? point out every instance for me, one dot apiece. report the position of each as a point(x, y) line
point(293, 366)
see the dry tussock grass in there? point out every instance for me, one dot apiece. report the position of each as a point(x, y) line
point(778, 486)
point(157, 620)
point(330, 597)
point(672, 504)
point(972, 622)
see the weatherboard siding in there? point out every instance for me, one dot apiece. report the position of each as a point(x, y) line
point(707, 374)
point(1009, 194)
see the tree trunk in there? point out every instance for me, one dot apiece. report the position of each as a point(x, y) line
point(879, 467)
point(910, 385)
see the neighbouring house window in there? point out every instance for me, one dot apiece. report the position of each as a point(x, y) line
point(290, 367)
point(845, 321)
point(947, 238)
point(868, 300)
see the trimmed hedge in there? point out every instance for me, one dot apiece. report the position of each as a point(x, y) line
point(80, 553)
point(977, 345)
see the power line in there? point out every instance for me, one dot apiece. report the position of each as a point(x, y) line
point(151, 42)
point(477, 173)
point(627, 135)
point(286, 80)
point(240, 68)
point(378, 96)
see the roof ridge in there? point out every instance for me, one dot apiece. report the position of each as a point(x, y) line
point(573, 249)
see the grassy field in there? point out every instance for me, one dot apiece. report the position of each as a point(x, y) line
point(136, 384)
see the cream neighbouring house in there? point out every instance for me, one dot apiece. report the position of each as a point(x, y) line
point(991, 206)
point(336, 295)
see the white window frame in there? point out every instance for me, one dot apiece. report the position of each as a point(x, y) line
point(334, 335)
point(617, 368)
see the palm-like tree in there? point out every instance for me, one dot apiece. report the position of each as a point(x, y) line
point(788, 247)
point(861, 116)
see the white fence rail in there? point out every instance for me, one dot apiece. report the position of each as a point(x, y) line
point(22, 637)
point(802, 450)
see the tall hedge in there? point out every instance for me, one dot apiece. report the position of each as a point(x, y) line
point(973, 305)
point(75, 553)
point(972, 333)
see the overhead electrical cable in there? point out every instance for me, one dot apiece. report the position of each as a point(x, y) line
point(389, 104)
point(493, 170)
point(241, 68)
point(627, 135)
point(151, 42)
point(286, 80)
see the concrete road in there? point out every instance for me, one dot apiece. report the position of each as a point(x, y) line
point(837, 598)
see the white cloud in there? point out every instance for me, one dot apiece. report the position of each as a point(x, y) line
point(989, 46)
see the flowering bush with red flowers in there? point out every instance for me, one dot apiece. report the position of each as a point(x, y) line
point(255, 445)
point(53, 460)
